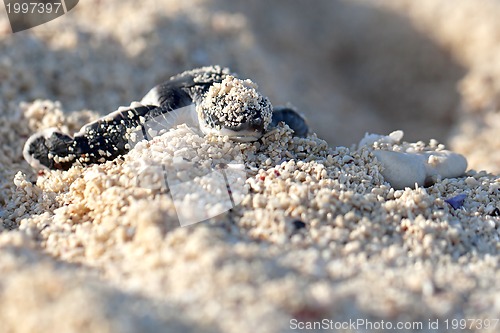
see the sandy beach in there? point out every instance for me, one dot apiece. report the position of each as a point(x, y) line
point(319, 239)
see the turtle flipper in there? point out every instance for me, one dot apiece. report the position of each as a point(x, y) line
point(110, 136)
point(99, 141)
point(292, 118)
point(51, 149)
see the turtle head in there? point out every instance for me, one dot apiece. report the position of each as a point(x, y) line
point(235, 108)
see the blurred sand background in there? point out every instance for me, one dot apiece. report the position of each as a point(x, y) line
point(430, 68)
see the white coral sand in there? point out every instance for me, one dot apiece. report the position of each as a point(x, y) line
point(319, 232)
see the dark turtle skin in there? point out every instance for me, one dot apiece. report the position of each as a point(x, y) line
point(292, 118)
point(108, 137)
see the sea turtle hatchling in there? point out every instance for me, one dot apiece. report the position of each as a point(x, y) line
point(223, 105)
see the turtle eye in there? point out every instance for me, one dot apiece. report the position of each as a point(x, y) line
point(209, 119)
point(257, 123)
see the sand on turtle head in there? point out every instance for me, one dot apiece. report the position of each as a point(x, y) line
point(235, 102)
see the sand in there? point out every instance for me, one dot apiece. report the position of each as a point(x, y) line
point(318, 233)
